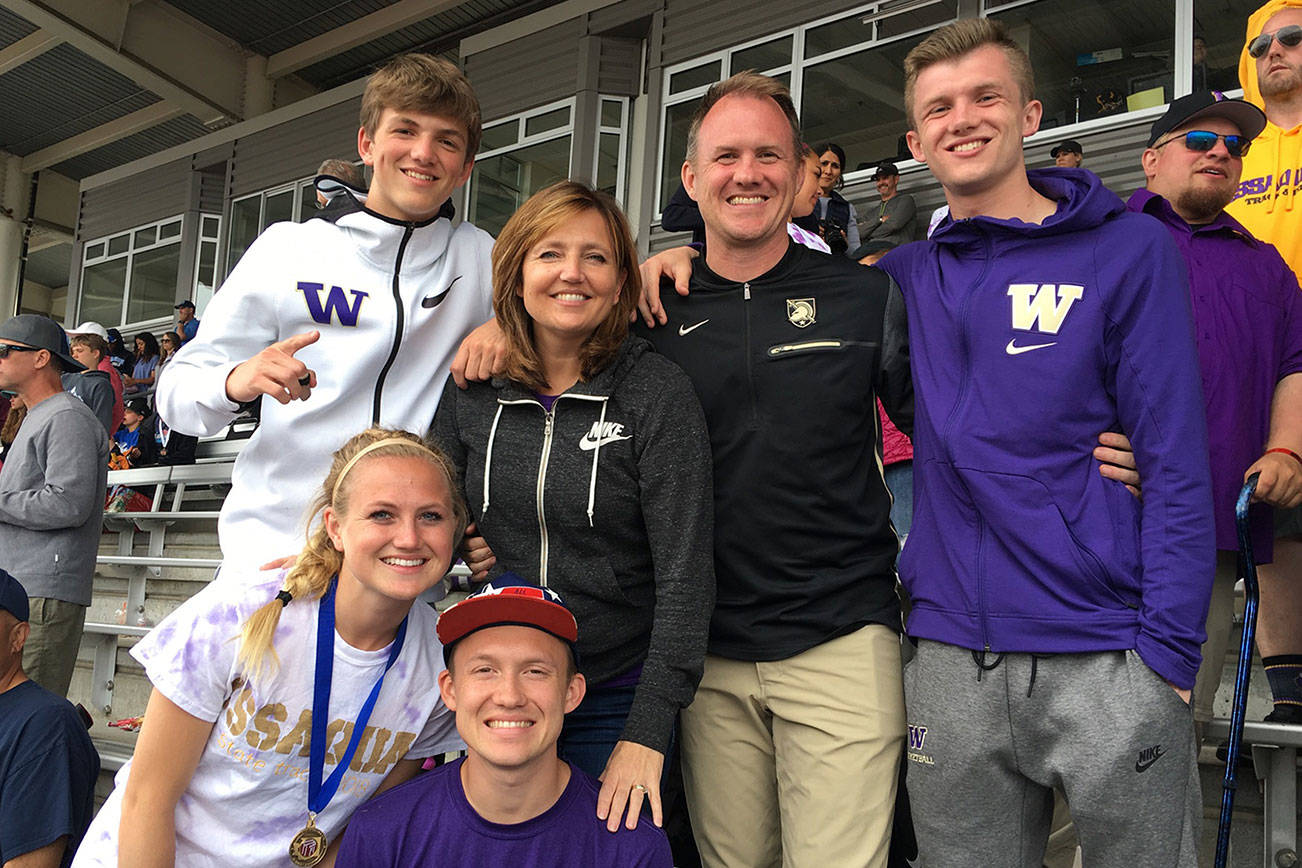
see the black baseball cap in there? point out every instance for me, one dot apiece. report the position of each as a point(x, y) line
point(186, 303)
point(885, 169)
point(13, 598)
point(1209, 104)
point(43, 333)
point(1067, 146)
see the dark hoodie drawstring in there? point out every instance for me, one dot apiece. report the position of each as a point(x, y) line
point(979, 658)
point(1035, 659)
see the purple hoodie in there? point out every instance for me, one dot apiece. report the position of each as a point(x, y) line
point(1027, 341)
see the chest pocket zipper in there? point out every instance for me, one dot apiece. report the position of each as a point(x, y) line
point(778, 351)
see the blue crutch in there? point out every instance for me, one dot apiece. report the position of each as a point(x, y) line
point(1248, 570)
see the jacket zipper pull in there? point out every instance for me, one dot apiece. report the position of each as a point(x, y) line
point(745, 291)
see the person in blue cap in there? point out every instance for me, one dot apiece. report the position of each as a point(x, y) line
point(48, 766)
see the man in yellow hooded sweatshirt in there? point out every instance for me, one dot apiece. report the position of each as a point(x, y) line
point(1270, 69)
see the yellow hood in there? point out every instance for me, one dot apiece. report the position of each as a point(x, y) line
point(1248, 66)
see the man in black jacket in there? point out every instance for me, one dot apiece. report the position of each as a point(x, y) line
point(792, 743)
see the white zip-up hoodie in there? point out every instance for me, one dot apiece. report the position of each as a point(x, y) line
point(393, 301)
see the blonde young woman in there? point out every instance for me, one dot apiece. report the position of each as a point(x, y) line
point(280, 707)
point(587, 468)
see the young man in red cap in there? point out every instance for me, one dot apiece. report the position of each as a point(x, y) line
point(511, 678)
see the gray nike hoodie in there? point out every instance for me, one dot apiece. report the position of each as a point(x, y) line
point(608, 500)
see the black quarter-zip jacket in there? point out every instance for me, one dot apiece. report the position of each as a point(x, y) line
point(787, 368)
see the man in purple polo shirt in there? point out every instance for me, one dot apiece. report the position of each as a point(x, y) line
point(1248, 319)
point(511, 678)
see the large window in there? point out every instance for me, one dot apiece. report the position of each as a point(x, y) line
point(1094, 58)
point(131, 277)
point(522, 154)
point(250, 215)
point(205, 261)
point(1220, 28)
point(845, 75)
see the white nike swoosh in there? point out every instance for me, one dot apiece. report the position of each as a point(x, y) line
point(1013, 349)
point(682, 329)
point(587, 444)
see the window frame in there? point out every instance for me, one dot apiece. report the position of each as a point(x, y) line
point(1182, 55)
point(88, 260)
point(795, 68)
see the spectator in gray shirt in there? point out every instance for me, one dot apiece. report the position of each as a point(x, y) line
point(51, 496)
point(897, 218)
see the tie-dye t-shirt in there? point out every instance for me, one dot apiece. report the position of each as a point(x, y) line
point(248, 797)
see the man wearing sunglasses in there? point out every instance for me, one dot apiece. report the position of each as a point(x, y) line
point(1266, 202)
point(1248, 318)
point(51, 496)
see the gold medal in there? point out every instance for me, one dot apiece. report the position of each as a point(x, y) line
point(309, 846)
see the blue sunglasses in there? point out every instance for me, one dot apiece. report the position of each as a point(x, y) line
point(1203, 140)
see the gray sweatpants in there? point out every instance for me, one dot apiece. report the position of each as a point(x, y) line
point(985, 754)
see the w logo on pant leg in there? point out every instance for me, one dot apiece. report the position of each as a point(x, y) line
point(1042, 307)
point(335, 305)
point(917, 736)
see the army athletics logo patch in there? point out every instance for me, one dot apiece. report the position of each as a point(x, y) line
point(801, 311)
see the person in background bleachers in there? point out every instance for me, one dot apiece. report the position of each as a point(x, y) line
point(104, 363)
point(838, 224)
point(186, 324)
point(92, 387)
point(142, 373)
point(48, 765)
point(51, 495)
point(897, 217)
point(806, 201)
point(95, 384)
point(1068, 154)
point(168, 345)
point(121, 357)
point(235, 730)
point(348, 172)
point(134, 440)
point(9, 429)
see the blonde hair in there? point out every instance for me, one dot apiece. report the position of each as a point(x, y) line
point(963, 37)
point(545, 211)
point(427, 84)
point(320, 561)
point(752, 84)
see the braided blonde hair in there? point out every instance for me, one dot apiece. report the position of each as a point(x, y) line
point(320, 561)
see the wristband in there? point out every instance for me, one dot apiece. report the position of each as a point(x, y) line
point(1283, 451)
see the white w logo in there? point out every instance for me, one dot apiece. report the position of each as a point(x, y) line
point(1042, 307)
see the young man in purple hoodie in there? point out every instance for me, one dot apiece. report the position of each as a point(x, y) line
point(1059, 618)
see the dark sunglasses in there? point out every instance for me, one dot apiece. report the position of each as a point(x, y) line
point(1202, 140)
point(1288, 37)
point(6, 349)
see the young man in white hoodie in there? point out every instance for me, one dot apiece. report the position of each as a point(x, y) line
point(342, 324)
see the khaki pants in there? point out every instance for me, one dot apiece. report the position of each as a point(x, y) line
point(794, 762)
point(51, 650)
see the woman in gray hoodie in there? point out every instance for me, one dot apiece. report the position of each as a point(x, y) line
point(587, 469)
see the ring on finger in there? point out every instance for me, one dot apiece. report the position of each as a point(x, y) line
point(305, 380)
point(641, 787)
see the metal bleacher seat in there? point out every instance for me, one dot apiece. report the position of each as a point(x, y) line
point(1274, 759)
point(170, 488)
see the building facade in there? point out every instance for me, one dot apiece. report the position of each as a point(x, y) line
point(603, 90)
